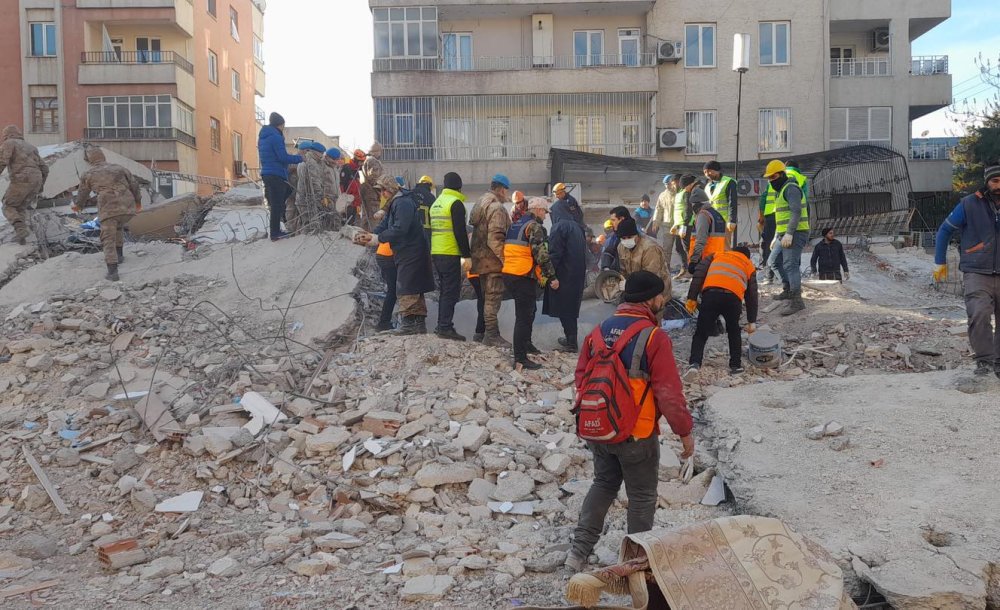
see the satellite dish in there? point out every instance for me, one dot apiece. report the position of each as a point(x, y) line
point(924, 133)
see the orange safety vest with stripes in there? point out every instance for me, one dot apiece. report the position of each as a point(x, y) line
point(717, 241)
point(642, 390)
point(517, 257)
point(730, 271)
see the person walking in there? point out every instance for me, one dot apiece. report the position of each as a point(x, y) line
point(274, 162)
point(638, 252)
point(490, 223)
point(976, 218)
point(646, 354)
point(791, 224)
point(118, 200)
point(709, 230)
point(829, 256)
point(725, 281)
point(27, 173)
point(722, 194)
point(568, 252)
point(526, 265)
point(644, 213)
point(449, 245)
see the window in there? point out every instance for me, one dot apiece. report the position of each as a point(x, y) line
point(148, 50)
point(775, 40)
point(43, 39)
point(234, 24)
point(499, 134)
point(404, 129)
point(588, 48)
point(628, 47)
point(631, 135)
point(236, 85)
point(213, 67)
point(457, 139)
point(237, 146)
point(139, 111)
point(258, 50)
point(215, 130)
point(701, 132)
point(588, 134)
point(45, 114)
point(406, 32)
point(775, 127)
point(699, 45)
point(211, 8)
point(405, 126)
point(458, 51)
point(863, 125)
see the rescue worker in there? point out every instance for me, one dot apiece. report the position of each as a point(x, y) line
point(274, 162)
point(371, 169)
point(350, 183)
point(568, 252)
point(526, 265)
point(766, 224)
point(310, 186)
point(404, 232)
point(609, 231)
point(490, 222)
point(568, 203)
point(683, 219)
point(977, 220)
point(829, 256)
point(638, 252)
point(609, 256)
point(424, 194)
point(520, 206)
point(725, 281)
point(709, 230)
point(663, 216)
point(333, 159)
point(722, 193)
point(791, 224)
point(449, 245)
point(118, 199)
point(643, 214)
point(27, 173)
point(387, 267)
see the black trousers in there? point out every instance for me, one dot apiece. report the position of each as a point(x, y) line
point(717, 302)
point(276, 191)
point(680, 246)
point(448, 270)
point(388, 268)
point(831, 275)
point(525, 293)
point(480, 302)
point(765, 243)
point(569, 324)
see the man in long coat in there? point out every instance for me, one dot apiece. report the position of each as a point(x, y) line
point(568, 251)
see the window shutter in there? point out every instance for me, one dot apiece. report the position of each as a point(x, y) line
point(838, 123)
point(881, 123)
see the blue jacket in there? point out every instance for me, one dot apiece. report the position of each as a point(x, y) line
point(977, 219)
point(274, 159)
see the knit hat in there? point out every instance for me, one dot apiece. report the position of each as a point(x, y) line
point(992, 170)
point(687, 180)
point(453, 181)
point(713, 165)
point(825, 231)
point(698, 198)
point(627, 228)
point(275, 120)
point(642, 286)
point(333, 153)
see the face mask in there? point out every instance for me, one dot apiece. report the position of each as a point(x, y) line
point(629, 243)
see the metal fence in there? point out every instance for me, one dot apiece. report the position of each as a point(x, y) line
point(931, 151)
point(927, 65)
point(139, 133)
point(861, 66)
point(136, 58)
point(527, 62)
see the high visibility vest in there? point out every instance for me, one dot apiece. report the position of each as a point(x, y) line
point(517, 257)
point(730, 271)
point(442, 228)
point(680, 206)
point(799, 179)
point(717, 241)
point(782, 214)
point(717, 196)
point(642, 394)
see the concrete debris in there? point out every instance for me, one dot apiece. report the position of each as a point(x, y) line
point(185, 503)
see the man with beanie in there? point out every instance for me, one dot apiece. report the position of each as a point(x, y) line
point(683, 219)
point(449, 245)
point(638, 252)
point(722, 194)
point(274, 162)
point(643, 214)
point(656, 391)
point(490, 223)
point(829, 256)
point(27, 173)
point(791, 234)
point(977, 220)
point(724, 281)
point(709, 230)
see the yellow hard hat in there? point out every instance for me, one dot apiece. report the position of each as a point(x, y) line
point(773, 168)
point(426, 180)
point(608, 224)
point(558, 187)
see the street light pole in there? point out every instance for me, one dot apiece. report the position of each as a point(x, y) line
point(741, 64)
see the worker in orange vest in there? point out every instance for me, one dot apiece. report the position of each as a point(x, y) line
point(725, 280)
point(709, 234)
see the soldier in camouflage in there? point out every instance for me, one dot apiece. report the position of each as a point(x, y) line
point(27, 174)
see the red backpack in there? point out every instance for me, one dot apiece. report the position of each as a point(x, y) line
point(605, 409)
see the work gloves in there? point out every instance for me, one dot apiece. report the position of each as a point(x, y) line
point(750, 328)
point(941, 273)
point(691, 306)
point(730, 227)
point(786, 241)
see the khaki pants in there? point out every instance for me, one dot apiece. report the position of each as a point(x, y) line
point(113, 236)
point(17, 206)
point(412, 305)
point(492, 296)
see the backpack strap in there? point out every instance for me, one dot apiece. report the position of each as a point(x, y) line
point(635, 371)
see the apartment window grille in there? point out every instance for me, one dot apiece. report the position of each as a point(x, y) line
point(631, 135)
point(775, 43)
point(45, 114)
point(43, 39)
point(701, 132)
point(588, 48)
point(406, 32)
point(457, 51)
point(588, 134)
point(629, 46)
point(213, 67)
point(236, 85)
point(499, 137)
point(860, 125)
point(775, 126)
point(215, 132)
point(699, 45)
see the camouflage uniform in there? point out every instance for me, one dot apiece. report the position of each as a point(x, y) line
point(118, 198)
point(490, 222)
point(27, 177)
point(309, 191)
point(538, 240)
point(372, 169)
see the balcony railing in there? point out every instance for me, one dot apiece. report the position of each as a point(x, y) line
point(861, 66)
point(927, 65)
point(259, 114)
point(509, 153)
point(930, 152)
point(139, 133)
point(136, 58)
point(496, 64)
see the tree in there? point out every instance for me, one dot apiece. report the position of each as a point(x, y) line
point(981, 121)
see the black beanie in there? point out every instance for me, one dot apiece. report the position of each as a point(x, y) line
point(642, 286)
point(275, 120)
point(825, 231)
point(627, 228)
point(713, 165)
point(687, 180)
point(453, 181)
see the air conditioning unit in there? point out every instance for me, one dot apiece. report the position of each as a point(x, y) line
point(239, 169)
point(880, 39)
point(750, 187)
point(673, 138)
point(669, 52)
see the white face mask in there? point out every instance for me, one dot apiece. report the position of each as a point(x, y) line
point(629, 243)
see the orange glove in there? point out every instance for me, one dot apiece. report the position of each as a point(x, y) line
point(691, 306)
point(138, 208)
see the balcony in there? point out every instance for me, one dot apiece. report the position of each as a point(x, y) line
point(928, 65)
point(503, 64)
point(463, 9)
point(177, 12)
point(493, 153)
point(138, 134)
point(931, 152)
point(138, 68)
point(930, 167)
point(861, 67)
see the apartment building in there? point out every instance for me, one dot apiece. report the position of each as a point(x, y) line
point(168, 83)
point(486, 87)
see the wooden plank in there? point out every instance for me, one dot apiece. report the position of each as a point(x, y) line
point(101, 442)
point(157, 417)
point(27, 589)
point(46, 483)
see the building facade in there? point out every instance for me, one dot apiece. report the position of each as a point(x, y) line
point(168, 83)
point(486, 87)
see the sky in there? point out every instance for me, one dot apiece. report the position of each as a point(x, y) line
point(318, 56)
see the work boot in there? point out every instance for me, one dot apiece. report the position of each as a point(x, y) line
point(478, 337)
point(786, 293)
point(407, 326)
point(526, 364)
point(449, 333)
point(575, 562)
point(22, 240)
point(984, 367)
point(795, 304)
point(121, 255)
point(495, 340)
point(420, 325)
point(384, 326)
point(568, 344)
point(692, 373)
point(532, 349)
point(112, 273)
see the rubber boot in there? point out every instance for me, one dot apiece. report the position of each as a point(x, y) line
point(121, 255)
point(786, 293)
point(795, 304)
point(112, 273)
point(495, 340)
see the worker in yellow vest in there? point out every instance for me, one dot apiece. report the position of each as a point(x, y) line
point(765, 223)
point(791, 220)
point(449, 245)
point(722, 193)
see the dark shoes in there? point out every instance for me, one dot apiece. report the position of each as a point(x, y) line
point(786, 294)
point(449, 333)
point(413, 325)
point(526, 364)
point(478, 337)
point(384, 326)
point(795, 303)
point(112, 273)
point(495, 340)
point(736, 370)
point(279, 235)
point(984, 367)
point(568, 344)
point(533, 350)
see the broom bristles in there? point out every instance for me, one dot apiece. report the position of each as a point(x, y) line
point(585, 589)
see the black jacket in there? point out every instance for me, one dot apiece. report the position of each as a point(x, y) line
point(568, 251)
point(830, 257)
point(403, 229)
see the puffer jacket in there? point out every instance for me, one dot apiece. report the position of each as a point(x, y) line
point(647, 255)
point(27, 170)
point(116, 188)
point(274, 158)
point(490, 222)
